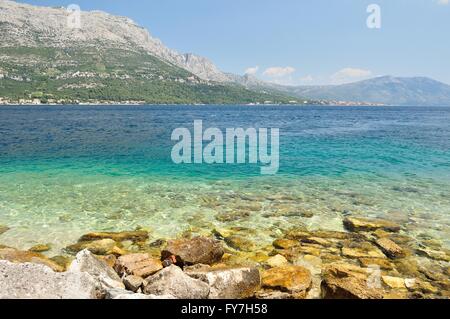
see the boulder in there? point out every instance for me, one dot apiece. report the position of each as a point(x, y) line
point(364, 224)
point(135, 236)
point(33, 281)
point(296, 280)
point(199, 250)
point(19, 256)
point(390, 248)
point(141, 265)
point(98, 247)
point(86, 262)
point(173, 281)
point(284, 243)
point(228, 283)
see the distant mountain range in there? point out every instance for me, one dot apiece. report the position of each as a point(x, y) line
point(386, 90)
point(112, 59)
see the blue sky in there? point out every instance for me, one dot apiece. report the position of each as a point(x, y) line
point(298, 41)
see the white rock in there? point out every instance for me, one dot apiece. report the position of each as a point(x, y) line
point(33, 281)
point(86, 262)
point(173, 281)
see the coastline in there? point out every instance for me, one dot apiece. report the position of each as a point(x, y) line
point(371, 259)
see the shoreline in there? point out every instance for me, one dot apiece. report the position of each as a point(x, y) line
point(299, 264)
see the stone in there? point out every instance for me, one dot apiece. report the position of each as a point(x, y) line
point(199, 250)
point(34, 281)
point(98, 247)
point(317, 241)
point(63, 261)
point(173, 281)
point(296, 280)
point(109, 259)
point(133, 283)
point(277, 261)
point(134, 236)
point(364, 224)
point(421, 286)
point(227, 217)
point(348, 286)
point(141, 265)
point(434, 254)
point(18, 256)
point(3, 229)
point(273, 295)
point(240, 243)
point(362, 253)
point(390, 248)
point(140, 296)
point(283, 243)
point(40, 248)
point(228, 283)
point(86, 262)
point(383, 263)
point(394, 282)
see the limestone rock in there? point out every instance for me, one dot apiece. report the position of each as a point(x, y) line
point(277, 261)
point(141, 265)
point(394, 282)
point(362, 253)
point(134, 236)
point(3, 229)
point(383, 263)
point(199, 250)
point(133, 283)
point(173, 281)
point(296, 280)
point(284, 243)
point(390, 248)
point(98, 247)
point(240, 243)
point(86, 262)
point(229, 283)
point(40, 248)
point(365, 224)
point(33, 281)
point(18, 256)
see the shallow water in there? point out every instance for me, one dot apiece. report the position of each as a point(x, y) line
point(65, 171)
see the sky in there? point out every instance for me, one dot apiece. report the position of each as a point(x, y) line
point(299, 42)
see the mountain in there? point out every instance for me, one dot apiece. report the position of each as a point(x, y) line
point(386, 90)
point(109, 58)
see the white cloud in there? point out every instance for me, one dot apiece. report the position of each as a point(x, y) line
point(252, 70)
point(279, 72)
point(349, 75)
point(443, 2)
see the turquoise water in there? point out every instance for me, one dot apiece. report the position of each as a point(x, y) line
point(65, 171)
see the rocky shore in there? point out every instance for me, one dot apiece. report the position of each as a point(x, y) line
point(373, 259)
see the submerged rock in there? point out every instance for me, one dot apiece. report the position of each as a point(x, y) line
point(141, 265)
point(284, 243)
point(240, 243)
point(98, 247)
point(199, 250)
point(33, 281)
point(383, 263)
point(295, 280)
point(364, 224)
point(390, 248)
point(86, 262)
point(276, 261)
point(40, 248)
point(394, 282)
point(19, 256)
point(134, 236)
point(228, 283)
point(174, 282)
point(3, 229)
point(362, 253)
